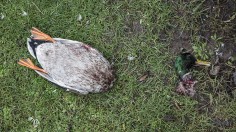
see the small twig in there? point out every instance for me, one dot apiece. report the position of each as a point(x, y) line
point(230, 66)
point(176, 103)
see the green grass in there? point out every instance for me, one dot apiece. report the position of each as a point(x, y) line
point(113, 27)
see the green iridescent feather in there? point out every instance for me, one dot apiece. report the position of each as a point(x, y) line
point(183, 63)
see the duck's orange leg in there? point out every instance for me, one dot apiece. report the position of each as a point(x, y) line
point(39, 35)
point(28, 63)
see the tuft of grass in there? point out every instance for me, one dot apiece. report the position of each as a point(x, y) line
point(145, 30)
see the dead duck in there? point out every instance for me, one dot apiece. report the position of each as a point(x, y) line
point(70, 64)
point(183, 63)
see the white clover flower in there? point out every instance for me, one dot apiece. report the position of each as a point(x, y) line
point(79, 18)
point(87, 22)
point(141, 21)
point(30, 118)
point(130, 57)
point(222, 45)
point(35, 121)
point(24, 13)
point(2, 16)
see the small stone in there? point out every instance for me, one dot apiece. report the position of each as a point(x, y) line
point(215, 70)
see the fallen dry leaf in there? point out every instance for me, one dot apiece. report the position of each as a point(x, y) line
point(144, 76)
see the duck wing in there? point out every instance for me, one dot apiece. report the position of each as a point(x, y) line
point(32, 44)
point(75, 66)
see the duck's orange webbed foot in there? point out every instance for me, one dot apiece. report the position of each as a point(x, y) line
point(28, 63)
point(39, 35)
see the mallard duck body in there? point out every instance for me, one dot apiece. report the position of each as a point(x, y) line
point(183, 63)
point(71, 64)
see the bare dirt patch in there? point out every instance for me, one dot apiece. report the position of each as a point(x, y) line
point(219, 19)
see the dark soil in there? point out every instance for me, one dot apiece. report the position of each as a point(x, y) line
point(204, 105)
point(180, 39)
point(222, 122)
point(132, 26)
point(169, 117)
point(218, 19)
